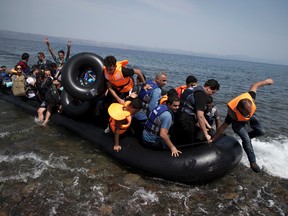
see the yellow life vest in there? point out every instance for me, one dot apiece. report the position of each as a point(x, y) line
point(233, 106)
point(117, 80)
point(126, 114)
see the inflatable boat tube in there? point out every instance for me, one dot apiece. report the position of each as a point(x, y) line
point(72, 106)
point(197, 163)
point(73, 73)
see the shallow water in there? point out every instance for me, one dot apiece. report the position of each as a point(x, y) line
point(50, 171)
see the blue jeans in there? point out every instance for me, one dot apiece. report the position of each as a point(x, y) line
point(241, 128)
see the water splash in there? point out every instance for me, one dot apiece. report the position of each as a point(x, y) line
point(31, 165)
point(271, 155)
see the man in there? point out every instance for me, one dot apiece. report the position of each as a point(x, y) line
point(155, 133)
point(42, 62)
point(60, 60)
point(150, 94)
point(121, 118)
point(191, 81)
point(153, 95)
point(23, 63)
point(241, 112)
point(192, 106)
point(119, 79)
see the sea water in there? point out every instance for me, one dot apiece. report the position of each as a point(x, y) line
point(51, 171)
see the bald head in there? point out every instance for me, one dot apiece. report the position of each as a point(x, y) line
point(245, 107)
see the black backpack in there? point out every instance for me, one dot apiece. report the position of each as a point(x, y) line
point(52, 96)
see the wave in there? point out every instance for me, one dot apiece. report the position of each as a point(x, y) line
point(271, 156)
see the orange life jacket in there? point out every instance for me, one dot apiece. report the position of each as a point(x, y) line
point(233, 106)
point(117, 80)
point(163, 99)
point(124, 126)
point(180, 90)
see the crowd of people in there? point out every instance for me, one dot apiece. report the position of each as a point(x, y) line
point(161, 120)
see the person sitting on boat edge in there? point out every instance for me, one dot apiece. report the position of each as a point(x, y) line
point(121, 118)
point(156, 130)
point(191, 81)
point(241, 111)
point(191, 112)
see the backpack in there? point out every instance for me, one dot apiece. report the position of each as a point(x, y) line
point(52, 96)
point(18, 87)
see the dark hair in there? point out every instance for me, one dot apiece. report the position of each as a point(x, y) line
point(110, 61)
point(213, 84)
point(172, 98)
point(171, 92)
point(3, 66)
point(136, 103)
point(61, 51)
point(209, 100)
point(41, 54)
point(25, 56)
point(242, 104)
point(191, 79)
point(52, 64)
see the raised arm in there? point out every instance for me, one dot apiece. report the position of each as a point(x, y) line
point(50, 48)
point(256, 85)
point(68, 50)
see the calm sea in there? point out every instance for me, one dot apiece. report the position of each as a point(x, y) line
point(50, 171)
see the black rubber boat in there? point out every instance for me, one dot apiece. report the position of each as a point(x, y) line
point(197, 163)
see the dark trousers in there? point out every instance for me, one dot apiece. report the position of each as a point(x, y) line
point(183, 129)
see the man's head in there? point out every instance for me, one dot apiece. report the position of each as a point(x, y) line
point(61, 54)
point(110, 64)
point(40, 56)
point(25, 56)
point(211, 86)
point(3, 68)
point(191, 81)
point(173, 103)
point(135, 105)
point(244, 106)
point(209, 103)
point(161, 79)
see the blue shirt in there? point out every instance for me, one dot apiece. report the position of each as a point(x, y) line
point(166, 122)
point(155, 98)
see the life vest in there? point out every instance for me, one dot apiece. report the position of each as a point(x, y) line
point(117, 80)
point(187, 100)
point(163, 99)
point(232, 105)
point(123, 126)
point(180, 90)
point(145, 95)
point(153, 124)
point(18, 86)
